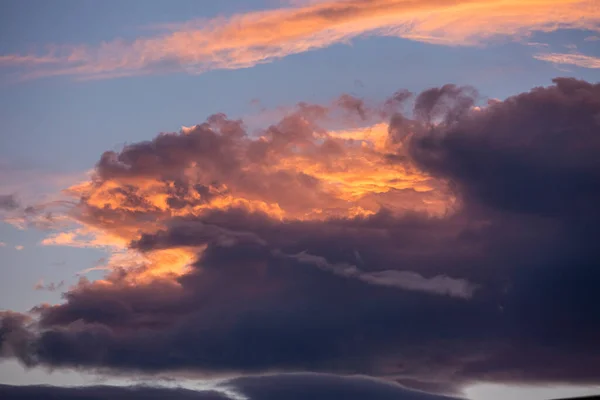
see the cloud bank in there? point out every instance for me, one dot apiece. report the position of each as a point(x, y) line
point(289, 386)
point(455, 245)
point(244, 40)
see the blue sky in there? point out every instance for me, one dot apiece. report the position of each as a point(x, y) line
point(58, 126)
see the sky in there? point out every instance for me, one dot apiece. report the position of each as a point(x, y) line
point(255, 199)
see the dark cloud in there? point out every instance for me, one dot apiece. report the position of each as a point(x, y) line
point(448, 103)
point(503, 287)
point(324, 387)
point(8, 202)
point(534, 153)
point(353, 105)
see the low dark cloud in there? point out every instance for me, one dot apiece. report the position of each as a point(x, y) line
point(324, 387)
point(502, 287)
point(535, 153)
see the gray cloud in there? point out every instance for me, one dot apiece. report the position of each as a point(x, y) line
point(8, 202)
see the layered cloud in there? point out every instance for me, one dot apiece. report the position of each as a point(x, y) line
point(100, 392)
point(244, 40)
point(447, 245)
point(267, 387)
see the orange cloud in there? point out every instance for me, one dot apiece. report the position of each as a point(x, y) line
point(294, 170)
point(244, 40)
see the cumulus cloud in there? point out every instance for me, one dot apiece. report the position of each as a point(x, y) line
point(256, 37)
point(449, 245)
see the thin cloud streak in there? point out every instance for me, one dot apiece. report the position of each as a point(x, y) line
point(245, 40)
point(579, 60)
point(406, 280)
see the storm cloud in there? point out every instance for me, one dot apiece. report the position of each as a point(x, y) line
point(298, 264)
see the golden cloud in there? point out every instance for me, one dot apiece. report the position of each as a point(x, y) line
point(295, 170)
point(244, 40)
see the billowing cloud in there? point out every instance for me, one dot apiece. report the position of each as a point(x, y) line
point(579, 60)
point(244, 40)
point(437, 248)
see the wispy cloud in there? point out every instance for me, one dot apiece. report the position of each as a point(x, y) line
point(579, 60)
point(8, 202)
point(406, 280)
point(51, 287)
point(244, 40)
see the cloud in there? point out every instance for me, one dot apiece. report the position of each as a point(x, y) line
point(40, 203)
point(580, 60)
point(51, 287)
point(244, 40)
point(8, 202)
point(104, 392)
point(325, 387)
point(536, 172)
point(291, 386)
point(449, 245)
point(407, 280)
